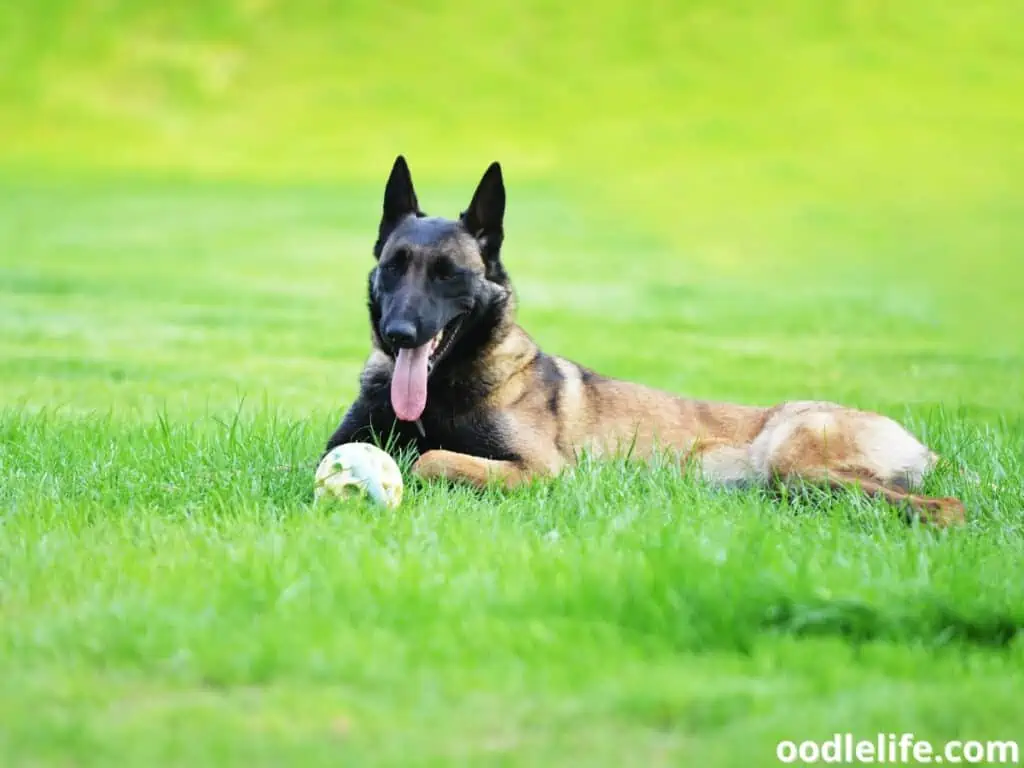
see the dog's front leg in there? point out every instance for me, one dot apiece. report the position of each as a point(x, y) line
point(461, 467)
point(364, 424)
point(354, 427)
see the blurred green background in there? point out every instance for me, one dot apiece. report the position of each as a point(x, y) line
point(735, 199)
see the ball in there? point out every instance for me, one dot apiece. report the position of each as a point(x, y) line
point(359, 469)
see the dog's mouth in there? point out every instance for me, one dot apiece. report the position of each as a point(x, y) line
point(441, 344)
point(412, 368)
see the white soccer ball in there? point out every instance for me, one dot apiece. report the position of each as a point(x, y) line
point(359, 469)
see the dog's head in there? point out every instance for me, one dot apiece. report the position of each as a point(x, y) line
point(434, 281)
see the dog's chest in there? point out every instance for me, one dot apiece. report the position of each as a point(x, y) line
point(476, 433)
point(448, 423)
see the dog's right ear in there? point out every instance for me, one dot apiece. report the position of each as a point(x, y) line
point(484, 218)
point(399, 202)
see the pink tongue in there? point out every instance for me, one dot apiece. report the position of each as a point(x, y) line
point(409, 382)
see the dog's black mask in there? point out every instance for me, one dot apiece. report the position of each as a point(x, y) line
point(435, 280)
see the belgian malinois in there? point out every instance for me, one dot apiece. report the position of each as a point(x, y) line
point(452, 375)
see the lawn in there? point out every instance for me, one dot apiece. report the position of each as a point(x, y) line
point(187, 204)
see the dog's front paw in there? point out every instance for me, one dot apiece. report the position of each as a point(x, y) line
point(461, 468)
point(432, 465)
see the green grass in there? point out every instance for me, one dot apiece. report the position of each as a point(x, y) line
point(724, 199)
point(175, 579)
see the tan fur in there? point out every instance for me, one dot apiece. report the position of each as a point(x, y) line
point(813, 442)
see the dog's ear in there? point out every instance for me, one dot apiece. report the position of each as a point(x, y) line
point(485, 216)
point(399, 201)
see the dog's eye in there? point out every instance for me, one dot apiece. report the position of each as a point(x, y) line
point(397, 261)
point(444, 270)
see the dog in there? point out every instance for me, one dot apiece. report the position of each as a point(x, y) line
point(453, 376)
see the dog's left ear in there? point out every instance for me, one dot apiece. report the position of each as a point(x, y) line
point(485, 216)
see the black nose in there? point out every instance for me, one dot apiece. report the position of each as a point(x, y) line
point(401, 334)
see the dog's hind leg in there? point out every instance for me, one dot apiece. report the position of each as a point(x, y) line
point(476, 471)
point(843, 448)
point(940, 512)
